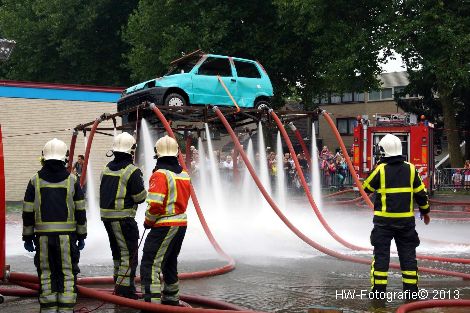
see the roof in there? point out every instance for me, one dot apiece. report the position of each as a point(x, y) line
point(394, 79)
point(54, 91)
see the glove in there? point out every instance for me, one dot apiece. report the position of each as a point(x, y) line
point(29, 246)
point(425, 218)
point(146, 226)
point(81, 244)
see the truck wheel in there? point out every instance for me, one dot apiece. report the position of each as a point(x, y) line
point(175, 100)
point(261, 104)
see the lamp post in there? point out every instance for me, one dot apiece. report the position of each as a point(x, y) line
point(6, 47)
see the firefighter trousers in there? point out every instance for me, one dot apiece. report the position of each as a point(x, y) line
point(406, 240)
point(56, 260)
point(123, 238)
point(160, 255)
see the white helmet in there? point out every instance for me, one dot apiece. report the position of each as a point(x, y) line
point(166, 146)
point(390, 145)
point(124, 142)
point(55, 149)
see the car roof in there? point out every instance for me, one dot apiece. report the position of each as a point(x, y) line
point(235, 58)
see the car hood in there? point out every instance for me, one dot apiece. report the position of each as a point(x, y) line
point(165, 81)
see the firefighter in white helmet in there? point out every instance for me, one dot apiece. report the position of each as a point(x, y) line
point(396, 184)
point(167, 199)
point(54, 225)
point(121, 190)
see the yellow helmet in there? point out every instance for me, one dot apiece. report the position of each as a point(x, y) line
point(55, 149)
point(166, 146)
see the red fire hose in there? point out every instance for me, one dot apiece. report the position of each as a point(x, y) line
point(231, 263)
point(367, 199)
point(88, 149)
point(405, 308)
point(296, 231)
point(301, 142)
point(73, 141)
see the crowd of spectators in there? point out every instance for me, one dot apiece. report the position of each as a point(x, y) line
point(332, 166)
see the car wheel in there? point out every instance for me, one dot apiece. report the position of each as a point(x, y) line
point(175, 100)
point(261, 105)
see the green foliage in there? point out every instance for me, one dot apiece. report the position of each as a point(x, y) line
point(66, 41)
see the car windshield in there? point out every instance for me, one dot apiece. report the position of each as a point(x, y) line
point(184, 66)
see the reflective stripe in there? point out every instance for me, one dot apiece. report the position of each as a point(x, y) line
point(171, 292)
point(80, 205)
point(123, 279)
point(154, 197)
point(150, 217)
point(371, 176)
point(409, 281)
point(421, 187)
point(28, 230)
point(411, 273)
point(81, 229)
point(105, 213)
point(172, 193)
point(70, 192)
point(155, 286)
point(395, 190)
point(392, 214)
point(140, 196)
point(68, 296)
point(380, 282)
point(173, 219)
point(46, 295)
point(49, 309)
point(28, 207)
point(424, 207)
point(382, 274)
point(383, 196)
point(37, 198)
point(412, 181)
point(54, 227)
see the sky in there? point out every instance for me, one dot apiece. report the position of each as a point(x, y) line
point(394, 65)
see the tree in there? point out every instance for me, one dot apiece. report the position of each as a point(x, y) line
point(435, 36)
point(66, 41)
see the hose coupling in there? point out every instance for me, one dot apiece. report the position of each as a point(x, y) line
point(215, 108)
point(151, 106)
point(292, 126)
point(75, 132)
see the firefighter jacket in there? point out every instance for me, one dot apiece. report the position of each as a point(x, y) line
point(54, 203)
point(169, 192)
point(396, 184)
point(121, 189)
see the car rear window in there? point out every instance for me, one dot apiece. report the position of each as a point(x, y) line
point(247, 69)
point(216, 66)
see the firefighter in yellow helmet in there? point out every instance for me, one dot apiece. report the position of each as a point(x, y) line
point(121, 190)
point(396, 184)
point(54, 225)
point(167, 199)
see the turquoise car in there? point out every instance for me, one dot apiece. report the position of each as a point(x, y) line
point(194, 80)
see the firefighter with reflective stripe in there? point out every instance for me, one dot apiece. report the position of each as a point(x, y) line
point(168, 198)
point(121, 190)
point(54, 225)
point(396, 185)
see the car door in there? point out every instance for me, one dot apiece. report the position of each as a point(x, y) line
point(249, 81)
point(206, 87)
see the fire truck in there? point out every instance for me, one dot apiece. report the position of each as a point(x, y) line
point(416, 139)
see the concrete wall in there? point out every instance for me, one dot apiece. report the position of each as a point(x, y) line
point(27, 124)
point(351, 110)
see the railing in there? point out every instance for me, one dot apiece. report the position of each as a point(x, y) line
point(452, 179)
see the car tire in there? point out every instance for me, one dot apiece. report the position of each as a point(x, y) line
point(175, 100)
point(261, 104)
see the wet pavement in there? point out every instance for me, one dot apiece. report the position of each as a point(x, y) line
point(276, 273)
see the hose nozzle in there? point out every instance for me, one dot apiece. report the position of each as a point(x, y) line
point(292, 126)
point(151, 105)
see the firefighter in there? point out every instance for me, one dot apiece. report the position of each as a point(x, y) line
point(396, 184)
point(54, 225)
point(168, 197)
point(121, 190)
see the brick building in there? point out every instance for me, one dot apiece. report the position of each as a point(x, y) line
point(33, 113)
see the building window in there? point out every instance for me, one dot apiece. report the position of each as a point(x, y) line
point(348, 97)
point(374, 95)
point(359, 96)
point(387, 93)
point(335, 99)
point(346, 125)
point(398, 92)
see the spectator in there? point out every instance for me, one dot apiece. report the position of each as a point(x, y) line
point(457, 180)
point(77, 170)
point(467, 174)
point(340, 172)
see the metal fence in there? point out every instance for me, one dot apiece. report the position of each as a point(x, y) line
point(452, 178)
